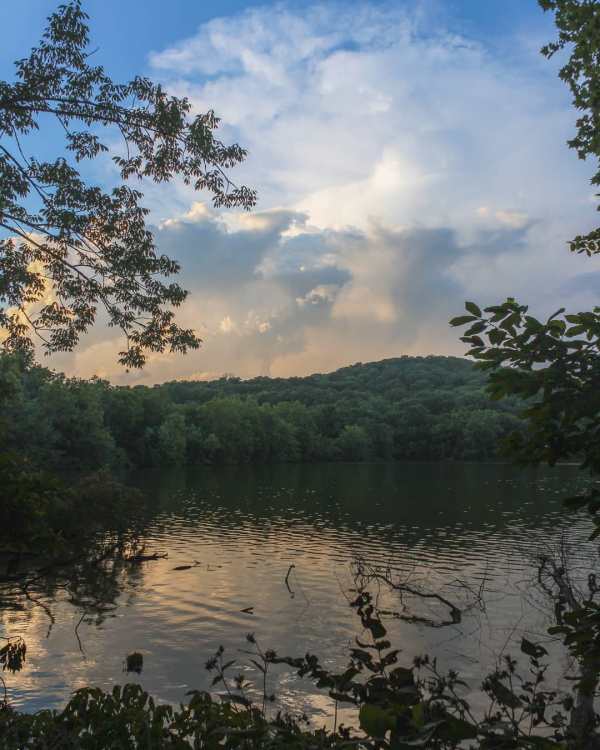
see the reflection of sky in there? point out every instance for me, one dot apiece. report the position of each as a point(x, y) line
point(245, 535)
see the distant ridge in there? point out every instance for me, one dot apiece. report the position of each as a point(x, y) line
point(382, 376)
point(396, 409)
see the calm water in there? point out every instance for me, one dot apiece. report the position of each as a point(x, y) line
point(450, 528)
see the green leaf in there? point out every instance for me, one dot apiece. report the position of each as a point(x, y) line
point(462, 320)
point(509, 322)
point(473, 309)
point(556, 630)
point(558, 325)
point(473, 340)
point(532, 649)
point(402, 676)
point(533, 323)
point(376, 628)
point(362, 656)
point(497, 336)
point(504, 696)
point(456, 730)
point(477, 328)
point(375, 721)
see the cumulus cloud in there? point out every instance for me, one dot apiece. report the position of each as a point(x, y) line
point(401, 167)
point(267, 302)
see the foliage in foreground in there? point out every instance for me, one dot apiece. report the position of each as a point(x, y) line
point(397, 707)
point(553, 366)
point(68, 248)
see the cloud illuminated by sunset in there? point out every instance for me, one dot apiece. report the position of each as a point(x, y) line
point(402, 166)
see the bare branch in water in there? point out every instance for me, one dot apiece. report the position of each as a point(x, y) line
point(365, 574)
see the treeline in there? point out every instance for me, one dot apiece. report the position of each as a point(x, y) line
point(404, 408)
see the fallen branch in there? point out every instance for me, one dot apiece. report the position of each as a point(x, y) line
point(367, 575)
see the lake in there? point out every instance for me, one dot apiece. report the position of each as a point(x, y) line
point(468, 531)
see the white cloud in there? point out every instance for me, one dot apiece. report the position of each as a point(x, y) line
point(227, 325)
point(318, 295)
point(357, 112)
point(401, 168)
point(358, 295)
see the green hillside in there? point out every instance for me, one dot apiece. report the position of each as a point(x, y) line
point(403, 408)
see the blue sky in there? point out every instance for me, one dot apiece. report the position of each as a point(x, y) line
point(128, 29)
point(407, 155)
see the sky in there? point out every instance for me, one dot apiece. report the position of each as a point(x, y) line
point(408, 155)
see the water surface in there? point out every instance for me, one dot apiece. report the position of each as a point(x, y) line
point(458, 529)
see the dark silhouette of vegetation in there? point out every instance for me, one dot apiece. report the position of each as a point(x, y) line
point(71, 248)
point(399, 706)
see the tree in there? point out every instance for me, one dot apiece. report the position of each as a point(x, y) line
point(212, 448)
point(578, 23)
point(172, 441)
point(554, 367)
point(354, 443)
point(70, 248)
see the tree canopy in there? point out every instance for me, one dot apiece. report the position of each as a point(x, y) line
point(403, 408)
point(70, 248)
point(553, 364)
point(578, 25)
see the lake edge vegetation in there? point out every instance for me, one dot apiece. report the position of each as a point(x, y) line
point(409, 408)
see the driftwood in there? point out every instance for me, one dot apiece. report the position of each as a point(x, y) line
point(187, 567)
point(287, 581)
point(368, 574)
point(146, 558)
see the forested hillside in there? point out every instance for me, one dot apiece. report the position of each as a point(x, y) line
point(404, 408)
